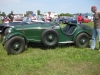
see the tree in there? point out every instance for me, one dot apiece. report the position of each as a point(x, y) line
point(3, 14)
point(65, 14)
point(62, 14)
point(25, 15)
point(38, 12)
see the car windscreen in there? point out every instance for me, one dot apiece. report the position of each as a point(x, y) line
point(54, 22)
point(26, 19)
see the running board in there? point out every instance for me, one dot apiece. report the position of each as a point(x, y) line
point(66, 42)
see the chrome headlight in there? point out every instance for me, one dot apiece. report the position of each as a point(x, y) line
point(7, 31)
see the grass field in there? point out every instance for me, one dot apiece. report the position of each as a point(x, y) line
point(62, 60)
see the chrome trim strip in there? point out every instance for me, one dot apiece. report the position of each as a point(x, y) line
point(66, 42)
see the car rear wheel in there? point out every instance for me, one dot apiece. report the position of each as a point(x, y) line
point(82, 40)
point(50, 38)
point(15, 45)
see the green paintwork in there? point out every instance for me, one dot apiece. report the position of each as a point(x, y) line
point(32, 32)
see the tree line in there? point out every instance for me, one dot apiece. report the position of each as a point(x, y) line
point(3, 14)
point(65, 14)
point(39, 13)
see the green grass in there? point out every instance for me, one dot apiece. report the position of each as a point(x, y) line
point(90, 24)
point(62, 60)
point(0, 22)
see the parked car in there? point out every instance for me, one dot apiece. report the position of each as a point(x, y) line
point(61, 19)
point(66, 20)
point(18, 19)
point(86, 20)
point(70, 20)
point(6, 21)
point(5, 26)
point(48, 34)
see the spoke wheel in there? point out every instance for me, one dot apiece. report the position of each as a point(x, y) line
point(15, 45)
point(82, 40)
point(50, 38)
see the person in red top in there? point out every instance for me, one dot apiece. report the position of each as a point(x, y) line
point(80, 18)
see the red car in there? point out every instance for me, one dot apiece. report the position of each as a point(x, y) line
point(6, 21)
point(18, 19)
point(86, 20)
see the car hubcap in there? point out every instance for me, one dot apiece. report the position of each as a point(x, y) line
point(83, 41)
point(16, 46)
point(50, 37)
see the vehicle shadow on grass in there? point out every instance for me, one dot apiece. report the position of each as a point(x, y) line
point(43, 47)
point(39, 45)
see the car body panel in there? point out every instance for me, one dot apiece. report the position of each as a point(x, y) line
point(48, 34)
point(32, 32)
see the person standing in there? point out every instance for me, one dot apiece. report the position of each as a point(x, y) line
point(11, 16)
point(48, 18)
point(80, 18)
point(6, 20)
point(96, 29)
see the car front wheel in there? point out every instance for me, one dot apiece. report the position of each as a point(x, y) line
point(82, 40)
point(15, 45)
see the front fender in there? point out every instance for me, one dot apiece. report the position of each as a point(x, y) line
point(12, 35)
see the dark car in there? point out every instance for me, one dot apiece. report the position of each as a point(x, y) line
point(70, 20)
point(62, 19)
point(5, 26)
point(65, 21)
point(48, 34)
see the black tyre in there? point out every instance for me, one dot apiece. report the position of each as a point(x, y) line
point(0, 37)
point(15, 45)
point(50, 38)
point(82, 40)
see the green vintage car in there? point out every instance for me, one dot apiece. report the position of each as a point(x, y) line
point(48, 34)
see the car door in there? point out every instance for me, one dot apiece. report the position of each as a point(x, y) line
point(33, 31)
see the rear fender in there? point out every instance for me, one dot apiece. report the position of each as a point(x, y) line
point(79, 33)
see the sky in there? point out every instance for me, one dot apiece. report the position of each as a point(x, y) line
point(58, 6)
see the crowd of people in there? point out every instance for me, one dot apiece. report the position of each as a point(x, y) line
point(8, 18)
